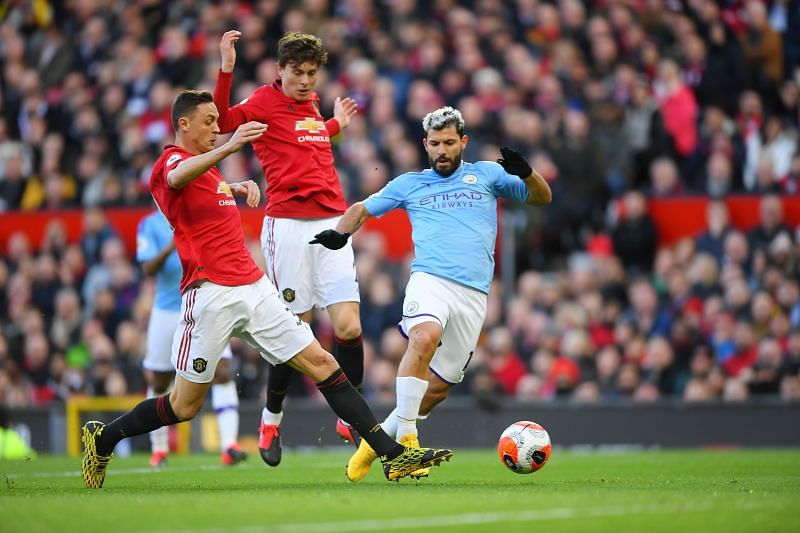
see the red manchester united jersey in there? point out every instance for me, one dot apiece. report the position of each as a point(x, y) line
point(206, 224)
point(295, 152)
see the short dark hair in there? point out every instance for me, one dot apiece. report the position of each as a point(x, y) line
point(297, 48)
point(186, 102)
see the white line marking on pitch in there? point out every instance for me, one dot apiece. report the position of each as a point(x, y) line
point(468, 519)
point(148, 470)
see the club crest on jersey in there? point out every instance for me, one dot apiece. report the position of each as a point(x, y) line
point(199, 365)
point(469, 179)
point(288, 295)
point(309, 124)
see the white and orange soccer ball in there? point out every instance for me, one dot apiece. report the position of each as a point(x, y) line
point(524, 447)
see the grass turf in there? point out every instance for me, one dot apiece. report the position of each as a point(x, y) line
point(743, 490)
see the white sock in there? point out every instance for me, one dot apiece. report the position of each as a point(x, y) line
point(390, 424)
point(271, 419)
point(159, 438)
point(410, 391)
point(225, 401)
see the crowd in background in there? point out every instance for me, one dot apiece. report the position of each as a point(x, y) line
point(613, 102)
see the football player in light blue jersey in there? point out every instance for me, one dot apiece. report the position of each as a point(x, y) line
point(453, 211)
point(155, 251)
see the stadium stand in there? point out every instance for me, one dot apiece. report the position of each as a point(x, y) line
point(627, 108)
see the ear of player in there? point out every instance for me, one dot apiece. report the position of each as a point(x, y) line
point(330, 238)
point(513, 162)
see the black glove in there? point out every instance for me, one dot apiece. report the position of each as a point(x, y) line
point(330, 238)
point(513, 163)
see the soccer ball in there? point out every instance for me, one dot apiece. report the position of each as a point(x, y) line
point(524, 447)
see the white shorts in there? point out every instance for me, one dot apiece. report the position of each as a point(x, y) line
point(307, 275)
point(460, 311)
point(211, 314)
point(160, 332)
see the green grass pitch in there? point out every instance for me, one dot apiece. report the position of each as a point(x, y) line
point(743, 490)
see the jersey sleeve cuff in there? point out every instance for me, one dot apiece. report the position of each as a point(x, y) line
point(332, 125)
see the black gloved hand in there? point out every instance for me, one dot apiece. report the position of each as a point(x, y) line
point(330, 238)
point(513, 163)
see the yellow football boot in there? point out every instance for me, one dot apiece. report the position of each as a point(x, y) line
point(93, 465)
point(412, 460)
point(409, 440)
point(359, 463)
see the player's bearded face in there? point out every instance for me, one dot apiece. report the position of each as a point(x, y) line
point(298, 81)
point(444, 149)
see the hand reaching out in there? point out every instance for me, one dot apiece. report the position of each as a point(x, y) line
point(244, 134)
point(343, 110)
point(514, 163)
point(249, 189)
point(227, 49)
point(331, 239)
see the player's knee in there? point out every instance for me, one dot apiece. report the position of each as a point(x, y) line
point(326, 363)
point(424, 340)
point(348, 331)
point(319, 361)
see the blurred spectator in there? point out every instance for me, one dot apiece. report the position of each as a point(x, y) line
point(664, 179)
point(745, 353)
point(718, 226)
point(770, 223)
point(767, 371)
point(761, 44)
point(505, 365)
point(678, 107)
point(96, 232)
point(634, 235)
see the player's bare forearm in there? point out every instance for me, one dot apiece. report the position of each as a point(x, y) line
point(353, 218)
point(189, 169)
point(154, 265)
point(539, 192)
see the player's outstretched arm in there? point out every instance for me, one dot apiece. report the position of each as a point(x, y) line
point(229, 118)
point(352, 219)
point(513, 162)
point(188, 169)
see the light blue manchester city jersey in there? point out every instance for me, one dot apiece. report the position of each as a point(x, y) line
point(453, 219)
point(153, 235)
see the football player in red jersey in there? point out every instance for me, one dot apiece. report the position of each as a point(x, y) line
point(304, 197)
point(225, 295)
